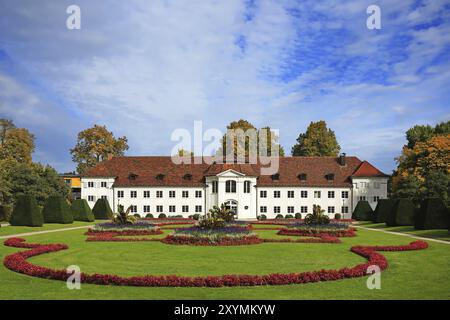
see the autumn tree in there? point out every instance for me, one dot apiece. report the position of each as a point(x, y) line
point(15, 143)
point(318, 140)
point(94, 145)
point(185, 153)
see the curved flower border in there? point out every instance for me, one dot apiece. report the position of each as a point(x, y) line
point(203, 241)
point(104, 236)
point(18, 262)
point(350, 232)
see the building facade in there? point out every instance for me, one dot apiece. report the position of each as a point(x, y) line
point(157, 185)
point(74, 182)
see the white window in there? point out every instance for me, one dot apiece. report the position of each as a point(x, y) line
point(103, 184)
point(91, 198)
point(344, 194)
point(146, 193)
point(120, 194)
point(277, 194)
point(133, 194)
point(246, 186)
point(330, 209)
point(330, 194)
point(277, 209)
point(317, 194)
point(263, 209)
point(90, 184)
point(172, 194)
point(304, 209)
point(104, 197)
point(344, 209)
point(290, 209)
point(230, 186)
point(215, 186)
point(290, 193)
point(185, 194)
point(355, 185)
point(364, 185)
point(376, 198)
point(263, 194)
point(146, 209)
point(185, 209)
point(376, 185)
point(362, 198)
point(198, 193)
point(198, 209)
point(304, 194)
point(133, 209)
point(159, 209)
point(159, 194)
point(172, 209)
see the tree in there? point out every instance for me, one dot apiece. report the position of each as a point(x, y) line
point(407, 186)
point(94, 145)
point(15, 143)
point(245, 145)
point(418, 134)
point(437, 185)
point(185, 153)
point(5, 125)
point(318, 140)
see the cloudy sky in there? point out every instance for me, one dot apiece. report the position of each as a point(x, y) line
point(145, 68)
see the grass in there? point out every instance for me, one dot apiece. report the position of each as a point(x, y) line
point(440, 234)
point(411, 275)
point(10, 230)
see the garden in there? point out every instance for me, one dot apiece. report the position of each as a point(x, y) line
point(125, 257)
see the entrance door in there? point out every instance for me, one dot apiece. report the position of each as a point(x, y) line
point(232, 205)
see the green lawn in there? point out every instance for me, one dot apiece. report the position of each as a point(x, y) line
point(441, 234)
point(411, 275)
point(9, 230)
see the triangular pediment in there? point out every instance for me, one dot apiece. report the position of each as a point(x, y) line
point(230, 173)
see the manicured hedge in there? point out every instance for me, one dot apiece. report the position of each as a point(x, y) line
point(81, 211)
point(56, 210)
point(401, 214)
point(5, 212)
point(382, 210)
point(298, 215)
point(433, 214)
point(363, 211)
point(102, 210)
point(26, 212)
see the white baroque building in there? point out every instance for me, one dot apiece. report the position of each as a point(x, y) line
point(157, 185)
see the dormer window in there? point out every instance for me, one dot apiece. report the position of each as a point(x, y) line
point(160, 177)
point(302, 176)
point(330, 176)
point(187, 176)
point(132, 176)
point(276, 176)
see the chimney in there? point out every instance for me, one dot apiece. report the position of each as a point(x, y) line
point(342, 160)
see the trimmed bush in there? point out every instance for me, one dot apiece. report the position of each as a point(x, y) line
point(5, 212)
point(56, 210)
point(149, 215)
point(81, 211)
point(279, 216)
point(298, 215)
point(26, 213)
point(102, 210)
point(289, 216)
point(262, 217)
point(337, 216)
point(363, 211)
point(382, 210)
point(137, 215)
point(401, 214)
point(162, 216)
point(433, 214)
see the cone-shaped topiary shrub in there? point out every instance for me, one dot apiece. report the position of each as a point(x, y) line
point(81, 211)
point(433, 214)
point(363, 211)
point(57, 210)
point(382, 210)
point(26, 212)
point(102, 210)
point(5, 212)
point(401, 214)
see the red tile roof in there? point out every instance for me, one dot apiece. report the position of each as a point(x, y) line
point(147, 169)
point(367, 170)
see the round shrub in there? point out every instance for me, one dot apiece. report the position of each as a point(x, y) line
point(279, 216)
point(149, 215)
point(26, 212)
point(337, 216)
point(363, 211)
point(56, 210)
point(5, 212)
point(382, 210)
point(289, 216)
point(81, 211)
point(433, 214)
point(162, 216)
point(401, 214)
point(102, 210)
point(298, 215)
point(137, 215)
point(262, 217)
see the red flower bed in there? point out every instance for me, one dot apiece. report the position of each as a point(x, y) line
point(350, 232)
point(203, 241)
point(322, 239)
point(18, 262)
point(101, 235)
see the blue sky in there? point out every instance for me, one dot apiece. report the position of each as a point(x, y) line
point(146, 68)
